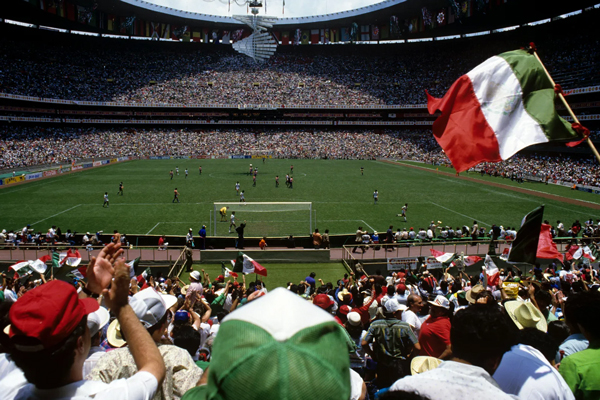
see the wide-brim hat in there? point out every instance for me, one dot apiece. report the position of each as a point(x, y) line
point(526, 315)
point(184, 289)
point(475, 290)
point(421, 364)
point(195, 275)
point(114, 336)
point(343, 293)
point(97, 320)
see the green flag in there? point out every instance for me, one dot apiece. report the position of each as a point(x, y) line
point(524, 248)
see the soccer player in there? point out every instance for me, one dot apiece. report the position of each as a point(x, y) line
point(362, 171)
point(375, 196)
point(291, 182)
point(292, 169)
point(186, 173)
point(250, 172)
point(242, 197)
point(171, 173)
point(254, 180)
point(237, 188)
point(223, 212)
point(287, 180)
point(277, 181)
point(403, 212)
point(232, 221)
point(177, 170)
point(105, 200)
point(120, 192)
point(175, 196)
point(200, 170)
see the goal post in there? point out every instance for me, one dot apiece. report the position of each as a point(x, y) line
point(269, 219)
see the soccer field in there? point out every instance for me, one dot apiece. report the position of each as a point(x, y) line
point(342, 198)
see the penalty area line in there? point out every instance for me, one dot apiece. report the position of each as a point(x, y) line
point(157, 224)
point(456, 212)
point(52, 216)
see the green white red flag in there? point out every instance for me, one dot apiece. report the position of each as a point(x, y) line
point(247, 265)
point(441, 256)
point(503, 105)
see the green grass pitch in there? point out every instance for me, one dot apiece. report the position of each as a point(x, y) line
point(342, 198)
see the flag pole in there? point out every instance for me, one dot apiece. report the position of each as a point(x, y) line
point(564, 101)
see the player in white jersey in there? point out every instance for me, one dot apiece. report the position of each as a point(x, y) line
point(232, 223)
point(105, 200)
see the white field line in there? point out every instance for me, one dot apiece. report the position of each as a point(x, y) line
point(370, 227)
point(157, 224)
point(456, 212)
point(52, 216)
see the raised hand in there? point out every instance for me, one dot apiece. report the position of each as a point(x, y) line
point(100, 270)
point(117, 296)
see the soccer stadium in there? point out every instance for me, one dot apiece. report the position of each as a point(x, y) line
point(407, 189)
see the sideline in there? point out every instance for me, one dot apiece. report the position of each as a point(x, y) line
point(561, 199)
point(52, 216)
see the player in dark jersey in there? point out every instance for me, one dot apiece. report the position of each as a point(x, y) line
point(175, 195)
point(120, 192)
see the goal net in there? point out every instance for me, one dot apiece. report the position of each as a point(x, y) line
point(264, 219)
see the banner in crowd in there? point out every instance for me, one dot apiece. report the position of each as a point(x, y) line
point(77, 167)
point(51, 172)
point(395, 264)
point(96, 164)
point(88, 165)
point(114, 160)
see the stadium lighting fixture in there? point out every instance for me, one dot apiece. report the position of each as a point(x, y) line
point(260, 45)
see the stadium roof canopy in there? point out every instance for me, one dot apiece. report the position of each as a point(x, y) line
point(504, 13)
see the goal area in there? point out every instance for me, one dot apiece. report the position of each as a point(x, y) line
point(271, 219)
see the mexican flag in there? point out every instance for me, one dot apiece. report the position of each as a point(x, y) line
point(524, 247)
point(247, 265)
point(503, 105)
point(24, 268)
point(441, 256)
point(226, 272)
point(133, 265)
point(491, 270)
point(70, 258)
point(576, 252)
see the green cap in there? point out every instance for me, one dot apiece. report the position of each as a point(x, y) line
point(278, 346)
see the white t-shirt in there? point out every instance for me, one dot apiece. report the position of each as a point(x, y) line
point(10, 296)
point(141, 386)
point(525, 372)
point(413, 320)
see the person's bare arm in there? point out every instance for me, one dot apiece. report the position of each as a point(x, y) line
point(142, 347)
point(206, 315)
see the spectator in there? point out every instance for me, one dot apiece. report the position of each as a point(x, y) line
point(480, 336)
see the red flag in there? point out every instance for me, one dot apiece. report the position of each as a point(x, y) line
point(546, 246)
point(470, 260)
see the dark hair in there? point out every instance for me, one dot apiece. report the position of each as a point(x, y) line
point(159, 324)
point(540, 341)
point(444, 285)
point(188, 338)
point(312, 274)
point(221, 315)
point(47, 367)
point(558, 330)
point(583, 308)
point(480, 333)
point(543, 297)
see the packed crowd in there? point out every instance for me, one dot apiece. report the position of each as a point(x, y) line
point(130, 72)
point(408, 334)
point(30, 146)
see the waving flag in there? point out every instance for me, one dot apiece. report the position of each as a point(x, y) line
point(491, 270)
point(500, 107)
point(524, 247)
point(226, 272)
point(470, 260)
point(71, 258)
point(546, 246)
point(576, 252)
point(28, 267)
point(247, 265)
point(441, 256)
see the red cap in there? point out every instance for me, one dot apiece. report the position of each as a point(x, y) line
point(323, 301)
point(401, 287)
point(49, 313)
point(344, 310)
point(220, 278)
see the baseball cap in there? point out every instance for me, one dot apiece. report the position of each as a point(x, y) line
point(344, 310)
point(392, 305)
point(297, 349)
point(323, 301)
point(47, 314)
point(182, 316)
point(97, 320)
point(220, 278)
point(440, 301)
point(149, 306)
